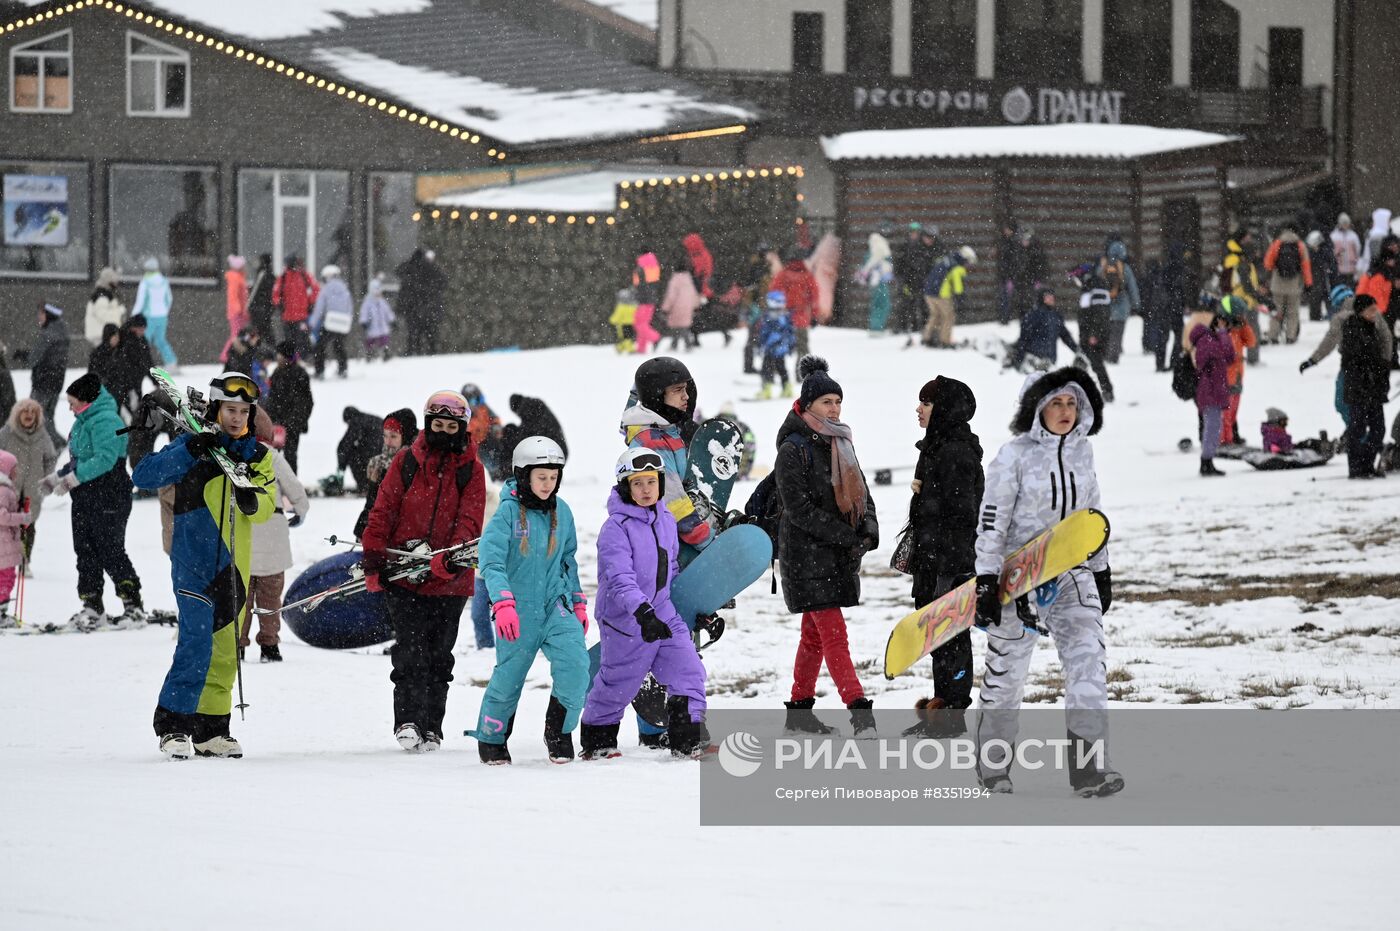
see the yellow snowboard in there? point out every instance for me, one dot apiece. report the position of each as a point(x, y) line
point(1059, 549)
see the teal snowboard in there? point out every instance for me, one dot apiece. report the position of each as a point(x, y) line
point(734, 561)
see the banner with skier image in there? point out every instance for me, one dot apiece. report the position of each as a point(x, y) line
point(35, 209)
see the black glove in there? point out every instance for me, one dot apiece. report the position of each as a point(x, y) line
point(374, 561)
point(988, 600)
point(201, 443)
point(1103, 580)
point(247, 500)
point(21, 356)
point(711, 624)
point(1305, 365)
point(653, 628)
point(294, 520)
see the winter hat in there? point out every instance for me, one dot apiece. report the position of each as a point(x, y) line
point(1362, 302)
point(1339, 295)
point(237, 262)
point(968, 255)
point(777, 300)
point(151, 265)
point(1275, 416)
point(287, 348)
point(107, 278)
point(86, 388)
point(948, 393)
point(1343, 219)
point(329, 272)
point(8, 463)
point(376, 286)
point(137, 320)
point(405, 421)
point(816, 381)
point(1314, 239)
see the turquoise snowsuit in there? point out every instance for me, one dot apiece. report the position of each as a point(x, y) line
point(545, 587)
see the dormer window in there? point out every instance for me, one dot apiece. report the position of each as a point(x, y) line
point(157, 78)
point(41, 75)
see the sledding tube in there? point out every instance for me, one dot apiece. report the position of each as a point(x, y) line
point(342, 623)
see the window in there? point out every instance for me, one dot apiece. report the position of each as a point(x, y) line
point(1215, 45)
point(808, 41)
point(943, 40)
point(41, 75)
point(1039, 40)
point(157, 78)
point(169, 213)
point(44, 209)
point(301, 213)
point(869, 25)
point(392, 233)
point(1137, 43)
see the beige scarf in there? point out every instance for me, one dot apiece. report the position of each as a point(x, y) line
point(846, 481)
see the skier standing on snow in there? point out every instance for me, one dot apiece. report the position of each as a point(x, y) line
point(289, 400)
point(293, 294)
point(1365, 386)
point(96, 477)
point(1042, 475)
point(828, 524)
point(332, 317)
point(377, 320)
point(272, 551)
point(433, 493)
point(527, 559)
point(646, 284)
point(1213, 352)
point(14, 517)
point(209, 566)
point(153, 302)
point(640, 630)
point(948, 487)
point(777, 338)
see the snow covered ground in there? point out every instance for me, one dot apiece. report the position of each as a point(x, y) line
point(327, 823)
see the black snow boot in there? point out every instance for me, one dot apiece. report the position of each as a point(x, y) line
point(559, 744)
point(801, 719)
point(493, 754)
point(862, 717)
point(937, 720)
point(688, 739)
point(1208, 469)
point(271, 654)
point(661, 741)
point(1090, 776)
point(599, 741)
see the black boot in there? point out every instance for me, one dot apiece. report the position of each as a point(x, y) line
point(937, 720)
point(271, 654)
point(1089, 772)
point(862, 717)
point(1208, 469)
point(599, 741)
point(688, 739)
point(496, 754)
point(801, 720)
point(559, 744)
point(659, 741)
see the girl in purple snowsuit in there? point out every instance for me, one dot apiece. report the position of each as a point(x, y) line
point(639, 628)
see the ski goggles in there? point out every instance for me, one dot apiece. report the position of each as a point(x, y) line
point(234, 387)
point(446, 403)
point(639, 461)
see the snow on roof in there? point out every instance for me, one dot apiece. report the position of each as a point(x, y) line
point(639, 11)
point(1064, 140)
point(519, 115)
point(281, 19)
point(588, 192)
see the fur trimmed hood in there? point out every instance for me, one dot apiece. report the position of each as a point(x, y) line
point(1039, 389)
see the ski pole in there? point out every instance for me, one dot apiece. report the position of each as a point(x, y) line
point(237, 618)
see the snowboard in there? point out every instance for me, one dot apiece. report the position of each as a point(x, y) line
point(715, 454)
point(186, 419)
point(348, 622)
point(1059, 549)
point(726, 567)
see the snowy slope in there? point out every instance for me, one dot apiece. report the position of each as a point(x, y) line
point(326, 823)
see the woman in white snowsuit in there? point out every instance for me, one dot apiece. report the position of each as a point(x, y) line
point(1042, 475)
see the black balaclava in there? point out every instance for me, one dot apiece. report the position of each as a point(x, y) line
point(527, 496)
point(445, 442)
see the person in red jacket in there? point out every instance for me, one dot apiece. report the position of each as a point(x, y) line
point(1291, 267)
point(797, 283)
point(294, 293)
point(702, 263)
point(434, 493)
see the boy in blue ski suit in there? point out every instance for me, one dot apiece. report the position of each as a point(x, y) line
point(527, 561)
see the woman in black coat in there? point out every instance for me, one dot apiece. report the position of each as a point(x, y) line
point(1365, 385)
point(828, 524)
point(947, 486)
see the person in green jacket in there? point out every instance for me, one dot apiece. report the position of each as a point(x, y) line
point(96, 477)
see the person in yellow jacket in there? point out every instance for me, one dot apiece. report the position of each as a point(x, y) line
point(1239, 277)
point(943, 291)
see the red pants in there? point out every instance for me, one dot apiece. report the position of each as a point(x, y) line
point(824, 638)
point(647, 336)
point(1228, 418)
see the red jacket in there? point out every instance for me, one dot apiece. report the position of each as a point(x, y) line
point(429, 509)
point(294, 292)
point(702, 264)
point(1379, 287)
point(797, 283)
point(1271, 257)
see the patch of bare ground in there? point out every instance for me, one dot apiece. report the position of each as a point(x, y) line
point(1310, 588)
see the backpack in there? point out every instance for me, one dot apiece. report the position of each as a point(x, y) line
point(1184, 377)
point(1112, 274)
point(765, 505)
point(934, 282)
point(1289, 263)
point(409, 471)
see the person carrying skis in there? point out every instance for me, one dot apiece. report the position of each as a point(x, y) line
point(948, 487)
point(639, 628)
point(1045, 472)
point(433, 494)
point(209, 565)
point(527, 559)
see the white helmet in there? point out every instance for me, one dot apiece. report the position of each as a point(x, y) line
point(537, 451)
point(330, 271)
point(638, 460)
point(969, 256)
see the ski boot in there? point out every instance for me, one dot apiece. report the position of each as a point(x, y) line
point(221, 745)
point(802, 720)
point(862, 718)
point(271, 654)
point(997, 783)
point(559, 745)
point(7, 620)
point(431, 741)
point(408, 737)
point(689, 740)
point(133, 613)
point(89, 617)
point(599, 742)
point(765, 393)
point(176, 746)
point(493, 754)
point(788, 390)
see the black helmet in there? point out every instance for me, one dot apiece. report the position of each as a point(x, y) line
point(654, 376)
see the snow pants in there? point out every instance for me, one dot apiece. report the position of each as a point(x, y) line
point(155, 335)
point(824, 638)
point(1284, 320)
point(940, 321)
point(197, 696)
point(1229, 420)
point(559, 636)
point(1075, 620)
point(425, 627)
point(627, 659)
point(332, 342)
point(647, 337)
point(100, 511)
point(879, 307)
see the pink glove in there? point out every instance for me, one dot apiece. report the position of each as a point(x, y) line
point(581, 612)
point(507, 621)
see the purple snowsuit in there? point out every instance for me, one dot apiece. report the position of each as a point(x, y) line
point(630, 546)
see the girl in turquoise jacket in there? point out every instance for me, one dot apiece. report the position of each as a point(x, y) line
point(527, 560)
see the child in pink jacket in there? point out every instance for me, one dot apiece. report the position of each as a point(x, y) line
point(679, 306)
point(11, 519)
